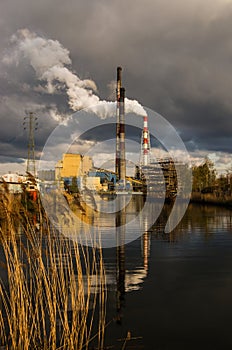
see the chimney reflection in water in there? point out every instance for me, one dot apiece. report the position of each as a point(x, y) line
point(120, 257)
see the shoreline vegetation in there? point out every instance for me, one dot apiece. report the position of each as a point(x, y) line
point(208, 188)
point(211, 199)
point(52, 290)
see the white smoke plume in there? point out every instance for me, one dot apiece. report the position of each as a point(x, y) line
point(50, 61)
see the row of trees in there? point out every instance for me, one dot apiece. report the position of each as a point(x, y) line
point(205, 179)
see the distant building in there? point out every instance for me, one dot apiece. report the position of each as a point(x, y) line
point(14, 177)
point(46, 175)
point(73, 165)
point(14, 182)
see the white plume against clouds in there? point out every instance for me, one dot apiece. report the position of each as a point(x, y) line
point(51, 63)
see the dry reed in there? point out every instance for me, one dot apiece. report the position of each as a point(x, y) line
point(52, 290)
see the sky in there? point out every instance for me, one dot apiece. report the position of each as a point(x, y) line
point(58, 57)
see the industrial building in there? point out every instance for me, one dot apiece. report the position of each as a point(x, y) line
point(46, 175)
point(79, 169)
point(95, 180)
point(14, 182)
point(73, 165)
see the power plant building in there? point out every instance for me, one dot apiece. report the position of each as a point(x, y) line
point(73, 165)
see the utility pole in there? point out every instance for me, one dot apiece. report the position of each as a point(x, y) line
point(30, 123)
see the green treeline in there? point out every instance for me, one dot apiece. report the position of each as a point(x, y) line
point(205, 180)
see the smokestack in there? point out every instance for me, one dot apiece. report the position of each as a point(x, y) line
point(119, 85)
point(145, 142)
point(119, 81)
point(122, 161)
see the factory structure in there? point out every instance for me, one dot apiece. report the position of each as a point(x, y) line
point(156, 176)
point(78, 171)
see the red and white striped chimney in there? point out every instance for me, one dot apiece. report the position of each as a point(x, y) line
point(145, 141)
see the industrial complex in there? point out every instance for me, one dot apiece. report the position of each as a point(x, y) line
point(76, 172)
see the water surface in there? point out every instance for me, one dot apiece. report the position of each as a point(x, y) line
point(173, 291)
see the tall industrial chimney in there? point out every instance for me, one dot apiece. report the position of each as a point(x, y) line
point(122, 160)
point(119, 85)
point(145, 142)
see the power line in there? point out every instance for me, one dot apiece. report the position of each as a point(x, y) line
point(30, 123)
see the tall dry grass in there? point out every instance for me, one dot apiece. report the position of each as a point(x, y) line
point(52, 290)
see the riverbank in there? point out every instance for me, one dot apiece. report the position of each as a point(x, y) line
point(209, 198)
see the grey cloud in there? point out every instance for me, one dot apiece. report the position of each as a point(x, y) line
point(11, 160)
point(176, 58)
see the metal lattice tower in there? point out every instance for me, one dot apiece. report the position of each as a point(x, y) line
point(30, 123)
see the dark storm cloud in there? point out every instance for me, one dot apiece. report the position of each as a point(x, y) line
point(176, 59)
point(11, 160)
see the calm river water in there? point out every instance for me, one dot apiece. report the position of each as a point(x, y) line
point(168, 291)
point(173, 291)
